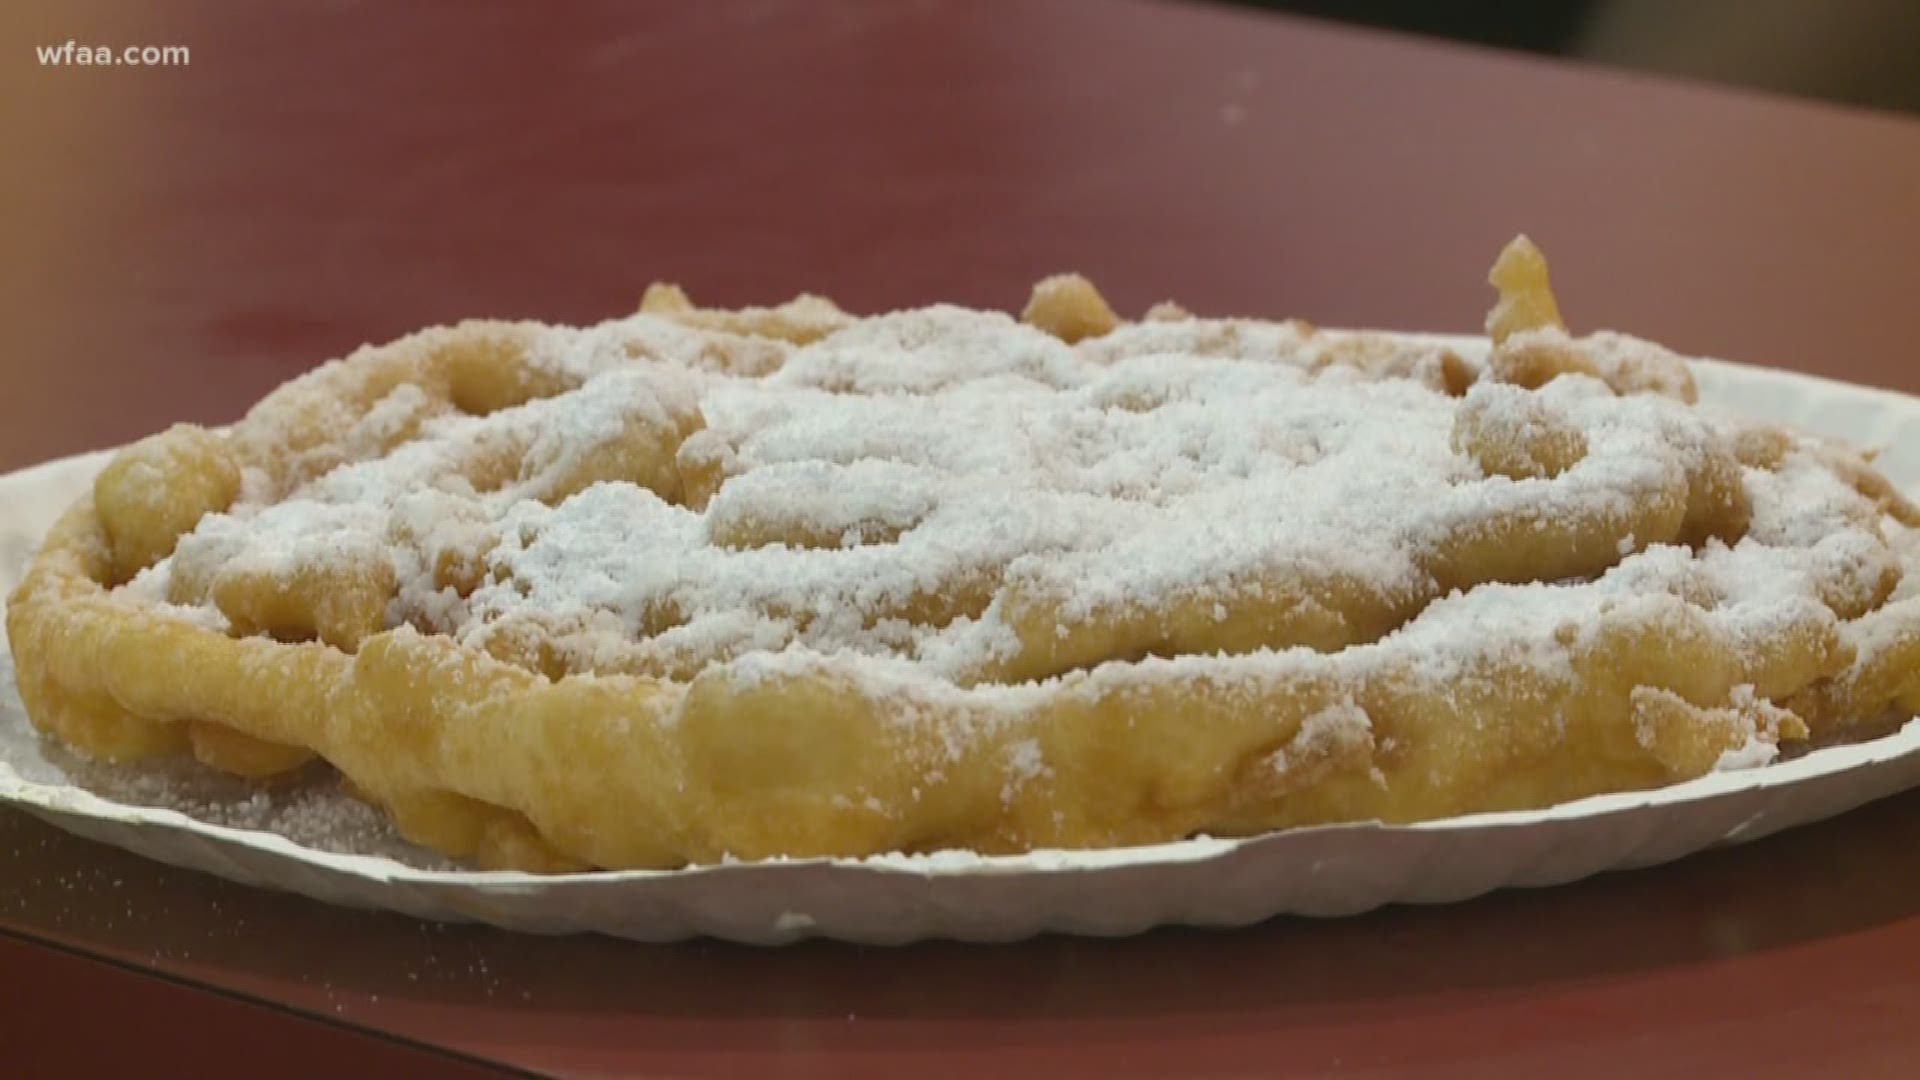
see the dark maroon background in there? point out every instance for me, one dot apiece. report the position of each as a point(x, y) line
point(177, 241)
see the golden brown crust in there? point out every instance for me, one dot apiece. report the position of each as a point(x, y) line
point(513, 756)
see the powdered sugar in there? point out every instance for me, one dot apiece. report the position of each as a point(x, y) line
point(894, 496)
point(1339, 729)
point(1751, 754)
point(312, 808)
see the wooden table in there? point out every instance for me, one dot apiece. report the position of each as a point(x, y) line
point(179, 240)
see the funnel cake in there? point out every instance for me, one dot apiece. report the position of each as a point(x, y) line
point(698, 584)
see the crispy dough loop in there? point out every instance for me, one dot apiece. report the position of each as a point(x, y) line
point(639, 444)
point(243, 755)
point(449, 535)
point(488, 836)
point(1378, 357)
point(339, 604)
point(1853, 467)
point(1873, 679)
point(1514, 434)
point(1525, 544)
point(1718, 506)
point(1534, 358)
point(486, 366)
point(703, 461)
point(1328, 611)
point(95, 724)
point(1070, 308)
point(1526, 301)
point(1688, 739)
point(329, 416)
point(558, 754)
point(158, 489)
point(1368, 355)
point(1140, 759)
point(1324, 612)
point(1531, 346)
point(843, 506)
point(803, 319)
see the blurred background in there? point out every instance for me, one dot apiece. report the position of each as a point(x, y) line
point(324, 173)
point(1854, 52)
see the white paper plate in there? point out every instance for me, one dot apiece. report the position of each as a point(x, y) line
point(1335, 870)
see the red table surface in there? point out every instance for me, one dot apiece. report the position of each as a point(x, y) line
point(177, 241)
